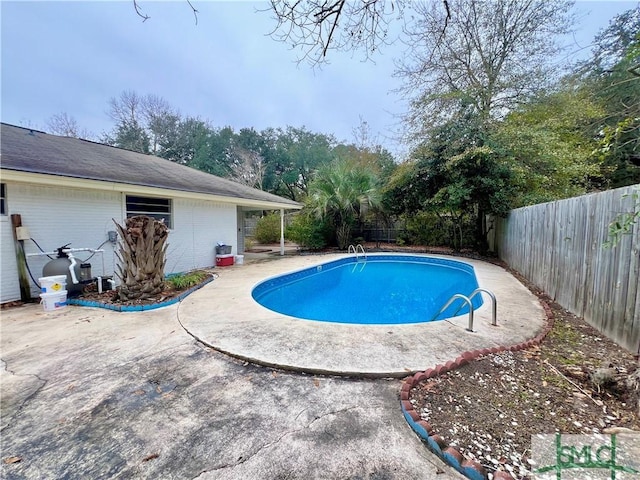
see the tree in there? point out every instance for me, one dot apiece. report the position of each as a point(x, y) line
point(129, 132)
point(549, 144)
point(127, 108)
point(160, 120)
point(141, 257)
point(297, 154)
point(184, 140)
point(213, 152)
point(143, 122)
point(612, 75)
point(455, 177)
point(66, 125)
point(247, 167)
point(341, 193)
point(130, 136)
point(492, 56)
point(478, 182)
point(248, 164)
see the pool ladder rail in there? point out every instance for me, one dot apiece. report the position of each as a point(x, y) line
point(357, 250)
point(467, 300)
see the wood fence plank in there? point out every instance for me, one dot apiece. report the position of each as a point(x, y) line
point(558, 246)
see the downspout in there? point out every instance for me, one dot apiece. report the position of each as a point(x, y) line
point(281, 231)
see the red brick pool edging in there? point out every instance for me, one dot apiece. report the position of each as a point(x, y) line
point(437, 444)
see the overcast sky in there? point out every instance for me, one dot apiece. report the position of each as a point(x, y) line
point(73, 56)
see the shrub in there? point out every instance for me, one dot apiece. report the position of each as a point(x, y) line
point(183, 281)
point(268, 229)
point(308, 232)
point(425, 228)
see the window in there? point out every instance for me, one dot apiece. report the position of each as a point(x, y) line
point(3, 198)
point(158, 208)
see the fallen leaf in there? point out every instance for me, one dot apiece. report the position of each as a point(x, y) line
point(274, 374)
point(316, 382)
point(12, 460)
point(158, 389)
point(139, 392)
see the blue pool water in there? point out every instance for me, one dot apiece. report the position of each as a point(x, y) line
point(386, 289)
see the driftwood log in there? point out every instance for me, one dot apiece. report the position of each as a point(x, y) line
point(141, 257)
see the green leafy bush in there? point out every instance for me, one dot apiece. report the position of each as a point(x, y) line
point(308, 232)
point(183, 281)
point(429, 229)
point(268, 229)
point(423, 228)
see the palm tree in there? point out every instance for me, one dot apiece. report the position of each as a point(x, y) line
point(141, 257)
point(342, 192)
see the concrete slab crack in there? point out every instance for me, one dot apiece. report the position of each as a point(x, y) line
point(333, 412)
point(23, 403)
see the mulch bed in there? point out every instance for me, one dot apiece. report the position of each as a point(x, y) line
point(110, 297)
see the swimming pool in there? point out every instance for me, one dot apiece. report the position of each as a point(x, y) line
point(384, 289)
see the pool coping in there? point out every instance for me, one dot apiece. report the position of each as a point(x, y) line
point(224, 316)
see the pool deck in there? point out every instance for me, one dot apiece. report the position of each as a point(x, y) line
point(224, 316)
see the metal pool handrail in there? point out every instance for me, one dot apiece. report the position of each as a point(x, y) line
point(467, 300)
point(494, 304)
point(354, 249)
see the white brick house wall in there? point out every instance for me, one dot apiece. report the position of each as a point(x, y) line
point(198, 226)
point(56, 216)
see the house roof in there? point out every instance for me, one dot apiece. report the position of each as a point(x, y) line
point(28, 150)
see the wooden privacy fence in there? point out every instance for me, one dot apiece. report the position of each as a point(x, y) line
point(559, 246)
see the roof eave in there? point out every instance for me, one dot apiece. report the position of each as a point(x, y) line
point(72, 182)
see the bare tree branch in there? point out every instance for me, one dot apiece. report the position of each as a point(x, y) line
point(146, 17)
point(195, 12)
point(139, 11)
point(63, 124)
point(316, 26)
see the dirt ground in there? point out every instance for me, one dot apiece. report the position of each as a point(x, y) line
point(576, 381)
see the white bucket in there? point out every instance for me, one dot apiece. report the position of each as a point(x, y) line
point(53, 284)
point(239, 259)
point(54, 301)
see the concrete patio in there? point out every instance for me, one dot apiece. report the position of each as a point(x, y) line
point(91, 393)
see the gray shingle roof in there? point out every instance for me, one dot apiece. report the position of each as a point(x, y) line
point(28, 150)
